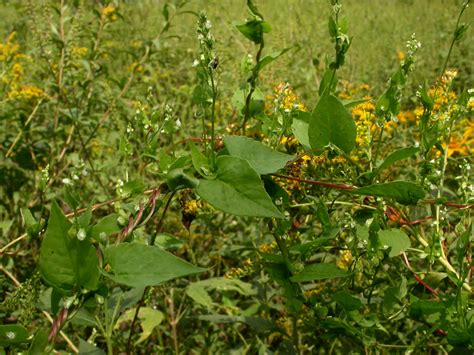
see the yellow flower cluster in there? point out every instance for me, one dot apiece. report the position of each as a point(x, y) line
point(27, 92)
point(79, 52)
point(344, 260)
point(266, 248)
point(238, 272)
point(109, 13)
point(364, 118)
point(192, 207)
point(10, 49)
point(462, 143)
point(286, 99)
point(350, 90)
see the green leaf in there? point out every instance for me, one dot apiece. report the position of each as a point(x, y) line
point(255, 323)
point(89, 349)
point(347, 301)
point(270, 58)
point(106, 227)
point(167, 241)
point(331, 123)
point(39, 342)
point(254, 30)
point(253, 9)
point(300, 130)
point(178, 179)
point(139, 265)
point(329, 78)
point(406, 193)
point(149, 319)
point(200, 162)
point(133, 187)
point(198, 291)
point(397, 155)
point(12, 334)
point(66, 262)
point(394, 239)
point(237, 190)
point(319, 272)
point(260, 157)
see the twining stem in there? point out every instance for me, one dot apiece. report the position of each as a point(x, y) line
point(253, 85)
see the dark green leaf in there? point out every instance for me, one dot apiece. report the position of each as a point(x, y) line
point(270, 58)
point(86, 348)
point(260, 157)
point(39, 342)
point(331, 123)
point(319, 272)
point(347, 301)
point(406, 193)
point(12, 334)
point(139, 265)
point(106, 227)
point(237, 190)
point(394, 239)
point(397, 155)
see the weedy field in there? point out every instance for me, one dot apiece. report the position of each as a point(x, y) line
point(188, 177)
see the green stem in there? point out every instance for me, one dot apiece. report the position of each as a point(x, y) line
point(253, 84)
point(455, 37)
point(213, 119)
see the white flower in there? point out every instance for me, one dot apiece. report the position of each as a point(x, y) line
point(195, 63)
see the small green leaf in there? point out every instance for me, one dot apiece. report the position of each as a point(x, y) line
point(106, 227)
point(89, 349)
point(178, 179)
point(347, 301)
point(255, 323)
point(200, 162)
point(300, 129)
point(329, 78)
point(397, 155)
point(260, 157)
point(133, 187)
point(254, 30)
point(319, 272)
point(406, 193)
point(149, 319)
point(331, 123)
point(139, 265)
point(237, 190)
point(12, 334)
point(394, 239)
point(167, 241)
point(198, 291)
point(39, 342)
point(270, 58)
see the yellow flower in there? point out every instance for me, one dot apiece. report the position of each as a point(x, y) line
point(108, 10)
point(345, 260)
point(28, 92)
point(79, 52)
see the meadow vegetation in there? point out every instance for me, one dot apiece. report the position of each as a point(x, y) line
point(176, 178)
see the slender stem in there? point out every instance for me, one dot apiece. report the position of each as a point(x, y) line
point(253, 84)
point(17, 138)
point(213, 118)
point(455, 36)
